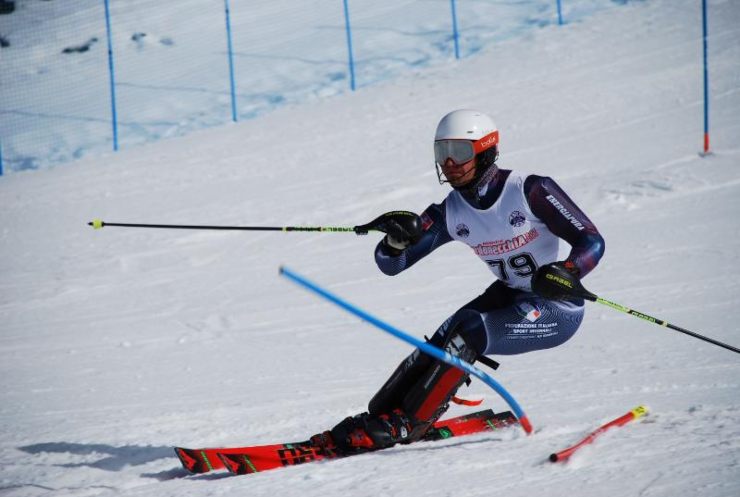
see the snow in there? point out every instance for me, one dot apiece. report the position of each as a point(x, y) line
point(118, 344)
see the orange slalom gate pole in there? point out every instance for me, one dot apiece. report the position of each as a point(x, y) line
point(635, 413)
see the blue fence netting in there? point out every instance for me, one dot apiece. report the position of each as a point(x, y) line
point(85, 76)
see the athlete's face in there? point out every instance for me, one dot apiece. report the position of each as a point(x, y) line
point(458, 174)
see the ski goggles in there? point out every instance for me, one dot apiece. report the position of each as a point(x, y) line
point(462, 151)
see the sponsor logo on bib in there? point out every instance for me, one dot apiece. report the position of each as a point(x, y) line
point(516, 219)
point(503, 246)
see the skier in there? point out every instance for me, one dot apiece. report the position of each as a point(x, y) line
point(513, 221)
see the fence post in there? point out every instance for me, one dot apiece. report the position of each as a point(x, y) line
point(455, 33)
point(706, 76)
point(111, 69)
point(231, 61)
point(349, 46)
point(560, 14)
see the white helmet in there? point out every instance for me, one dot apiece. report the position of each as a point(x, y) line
point(466, 124)
point(463, 135)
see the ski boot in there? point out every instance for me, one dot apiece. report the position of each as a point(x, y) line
point(407, 405)
point(364, 433)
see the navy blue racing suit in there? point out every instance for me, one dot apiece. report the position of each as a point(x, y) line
point(504, 320)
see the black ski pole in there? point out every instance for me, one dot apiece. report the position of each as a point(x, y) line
point(377, 224)
point(360, 230)
point(580, 291)
point(665, 324)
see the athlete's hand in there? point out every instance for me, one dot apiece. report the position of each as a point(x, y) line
point(556, 281)
point(402, 229)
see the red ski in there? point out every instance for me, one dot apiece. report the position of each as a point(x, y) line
point(245, 460)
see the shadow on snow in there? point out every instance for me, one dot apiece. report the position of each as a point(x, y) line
point(111, 458)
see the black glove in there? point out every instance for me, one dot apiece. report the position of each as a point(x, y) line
point(557, 281)
point(402, 228)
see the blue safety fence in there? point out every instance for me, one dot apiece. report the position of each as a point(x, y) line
point(81, 77)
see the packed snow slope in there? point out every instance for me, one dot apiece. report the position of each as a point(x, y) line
point(117, 344)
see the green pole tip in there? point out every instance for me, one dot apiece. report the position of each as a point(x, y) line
point(96, 224)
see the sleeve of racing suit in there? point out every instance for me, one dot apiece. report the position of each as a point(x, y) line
point(566, 220)
point(434, 235)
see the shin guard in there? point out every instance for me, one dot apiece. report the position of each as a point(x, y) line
point(430, 395)
point(391, 394)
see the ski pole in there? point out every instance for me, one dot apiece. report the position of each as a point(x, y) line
point(578, 290)
point(423, 346)
point(635, 413)
point(665, 324)
point(377, 224)
point(360, 230)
